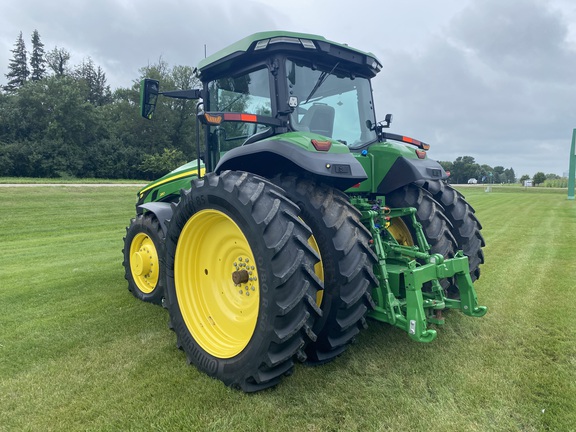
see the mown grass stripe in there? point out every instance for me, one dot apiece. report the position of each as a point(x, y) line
point(78, 352)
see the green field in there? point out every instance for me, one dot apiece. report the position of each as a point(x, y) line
point(78, 352)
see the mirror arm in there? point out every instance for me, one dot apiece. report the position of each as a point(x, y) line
point(183, 94)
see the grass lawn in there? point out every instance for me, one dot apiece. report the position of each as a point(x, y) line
point(59, 180)
point(78, 352)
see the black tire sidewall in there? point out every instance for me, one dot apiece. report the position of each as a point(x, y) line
point(245, 369)
point(465, 226)
point(428, 213)
point(331, 217)
point(149, 225)
point(260, 339)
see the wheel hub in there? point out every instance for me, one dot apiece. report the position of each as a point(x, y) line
point(144, 263)
point(240, 277)
point(141, 262)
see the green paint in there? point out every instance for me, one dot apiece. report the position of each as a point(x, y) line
point(402, 271)
point(377, 163)
point(304, 141)
point(572, 171)
point(399, 298)
point(172, 182)
point(243, 45)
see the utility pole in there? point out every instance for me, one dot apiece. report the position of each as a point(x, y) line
point(572, 170)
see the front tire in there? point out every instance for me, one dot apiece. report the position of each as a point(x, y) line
point(241, 286)
point(143, 247)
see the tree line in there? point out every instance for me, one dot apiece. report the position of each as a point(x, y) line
point(465, 168)
point(63, 120)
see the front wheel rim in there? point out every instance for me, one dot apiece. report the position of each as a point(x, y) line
point(216, 283)
point(144, 263)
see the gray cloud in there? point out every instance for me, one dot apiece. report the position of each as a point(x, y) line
point(487, 78)
point(524, 39)
point(123, 36)
point(494, 85)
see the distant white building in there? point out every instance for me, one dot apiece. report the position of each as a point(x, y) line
point(528, 183)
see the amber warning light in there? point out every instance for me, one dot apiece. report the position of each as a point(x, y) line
point(213, 119)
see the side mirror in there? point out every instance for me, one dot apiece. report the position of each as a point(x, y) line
point(148, 96)
point(388, 120)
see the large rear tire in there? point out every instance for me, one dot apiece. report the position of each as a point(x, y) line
point(465, 227)
point(346, 260)
point(143, 247)
point(241, 286)
point(436, 227)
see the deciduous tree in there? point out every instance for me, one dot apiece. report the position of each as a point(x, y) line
point(465, 168)
point(539, 178)
point(57, 60)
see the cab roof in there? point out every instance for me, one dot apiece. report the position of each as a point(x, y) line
point(264, 44)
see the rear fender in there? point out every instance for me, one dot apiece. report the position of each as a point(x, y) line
point(404, 171)
point(267, 159)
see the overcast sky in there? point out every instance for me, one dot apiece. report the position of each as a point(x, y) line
point(492, 79)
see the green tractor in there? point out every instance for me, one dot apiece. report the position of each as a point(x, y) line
point(300, 218)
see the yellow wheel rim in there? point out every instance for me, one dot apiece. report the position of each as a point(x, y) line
point(318, 269)
point(400, 232)
point(144, 264)
point(217, 283)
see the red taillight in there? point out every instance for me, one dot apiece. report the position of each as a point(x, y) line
point(421, 154)
point(321, 145)
point(415, 142)
point(249, 118)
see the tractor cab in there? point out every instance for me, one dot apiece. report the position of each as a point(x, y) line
point(303, 82)
point(273, 83)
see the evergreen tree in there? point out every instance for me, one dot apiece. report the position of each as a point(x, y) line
point(101, 89)
point(37, 60)
point(510, 175)
point(95, 79)
point(18, 71)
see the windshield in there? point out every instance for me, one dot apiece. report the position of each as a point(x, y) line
point(330, 105)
